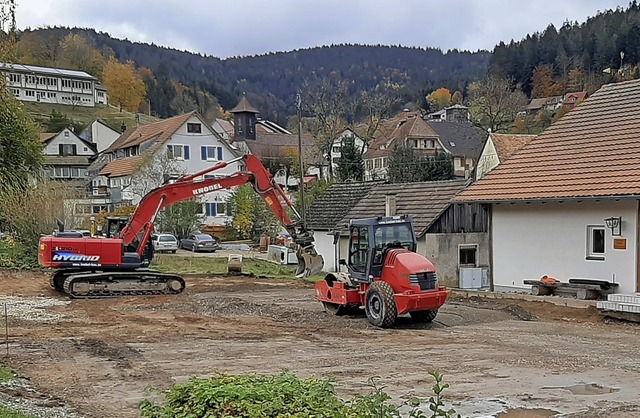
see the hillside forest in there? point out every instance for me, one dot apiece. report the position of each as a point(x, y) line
point(164, 82)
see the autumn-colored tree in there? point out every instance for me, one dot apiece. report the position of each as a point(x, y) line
point(560, 113)
point(576, 79)
point(456, 98)
point(38, 48)
point(123, 84)
point(543, 83)
point(78, 53)
point(439, 99)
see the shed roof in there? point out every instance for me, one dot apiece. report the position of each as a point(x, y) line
point(424, 201)
point(593, 151)
point(328, 209)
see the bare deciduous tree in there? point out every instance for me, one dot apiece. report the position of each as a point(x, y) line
point(376, 105)
point(495, 101)
point(153, 171)
point(327, 100)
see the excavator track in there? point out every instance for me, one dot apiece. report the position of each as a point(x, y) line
point(116, 284)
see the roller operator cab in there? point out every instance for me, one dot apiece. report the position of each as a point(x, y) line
point(385, 275)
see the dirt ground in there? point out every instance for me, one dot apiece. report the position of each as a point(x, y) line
point(98, 356)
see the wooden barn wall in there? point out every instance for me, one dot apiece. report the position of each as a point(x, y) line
point(460, 218)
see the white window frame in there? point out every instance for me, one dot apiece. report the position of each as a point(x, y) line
point(215, 152)
point(591, 253)
point(173, 152)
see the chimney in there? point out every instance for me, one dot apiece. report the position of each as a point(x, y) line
point(390, 205)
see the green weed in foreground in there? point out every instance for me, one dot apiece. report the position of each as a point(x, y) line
point(282, 395)
point(8, 413)
point(6, 374)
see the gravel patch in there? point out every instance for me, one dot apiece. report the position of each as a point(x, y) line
point(31, 308)
point(19, 396)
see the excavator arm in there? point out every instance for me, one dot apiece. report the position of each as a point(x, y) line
point(140, 226)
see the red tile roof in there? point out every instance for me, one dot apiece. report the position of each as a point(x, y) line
point(160, 131)
point(122, 167)
point(396, 130)
point(507, 144)
point(593, 151)
point(44, 137)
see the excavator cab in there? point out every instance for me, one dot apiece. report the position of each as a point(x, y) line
point(115, 225)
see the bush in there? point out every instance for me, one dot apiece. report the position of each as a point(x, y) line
point(282, 395)
point(14, 254)
point(28, 214)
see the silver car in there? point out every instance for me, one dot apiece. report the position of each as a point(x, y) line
point(163, 243)
point(199, 242)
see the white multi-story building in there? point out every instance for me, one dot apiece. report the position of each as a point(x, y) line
point(30, 83)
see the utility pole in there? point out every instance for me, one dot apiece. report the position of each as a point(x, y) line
point(301, 186)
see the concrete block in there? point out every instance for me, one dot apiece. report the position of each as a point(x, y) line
point(234, 263)
point(624, 298)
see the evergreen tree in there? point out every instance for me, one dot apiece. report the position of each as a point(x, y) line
point(403, 166)
point(351, 163)
point(439, 167)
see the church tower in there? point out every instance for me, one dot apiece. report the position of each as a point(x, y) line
point(244, 120)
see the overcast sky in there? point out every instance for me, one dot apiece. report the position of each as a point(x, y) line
point(237, 27)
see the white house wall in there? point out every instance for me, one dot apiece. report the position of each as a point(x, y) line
point(324, 246)
point(488, 159)
point(52, 147)
point(196, 163)
point(530, 241)
point(103, 136)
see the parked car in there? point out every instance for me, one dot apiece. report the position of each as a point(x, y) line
point(199, 242)
point(164, 243)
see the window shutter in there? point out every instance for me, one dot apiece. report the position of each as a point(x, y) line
point(75, 149)
point(186, 152)
point(213, 207)
point(219, 153)
point(170, 149)
point(60, 149)
point(203, 153)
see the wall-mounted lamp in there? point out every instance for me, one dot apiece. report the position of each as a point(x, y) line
point(615, 224)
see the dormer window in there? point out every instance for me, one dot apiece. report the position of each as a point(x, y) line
point(194, 128)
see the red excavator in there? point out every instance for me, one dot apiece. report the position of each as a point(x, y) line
point(116, 264)
point(384, 274)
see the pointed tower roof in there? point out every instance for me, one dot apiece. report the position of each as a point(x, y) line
point(244, 106)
